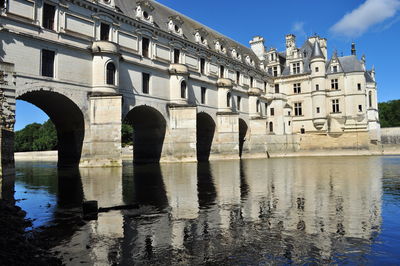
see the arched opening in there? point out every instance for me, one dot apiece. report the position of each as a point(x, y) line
point(271, 127)
point(242, 135)
point(183, 89)
point(110, 74)
point(228, 99)
point(205, 134)
point(149, 128)
point(68, 121)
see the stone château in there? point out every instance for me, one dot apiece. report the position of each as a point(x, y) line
point(190, 92)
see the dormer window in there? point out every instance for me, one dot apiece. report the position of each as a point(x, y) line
point(144, 11)
point(296, 68)
point(220, 47)
point(334, 69)
point(175, 25)
point(200, 35)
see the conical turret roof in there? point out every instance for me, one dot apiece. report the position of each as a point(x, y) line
point(317, 52)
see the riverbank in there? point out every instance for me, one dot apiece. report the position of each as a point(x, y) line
point(16, 247)
point(127, 154)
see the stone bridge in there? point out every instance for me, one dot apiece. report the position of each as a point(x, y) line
point(172, 129)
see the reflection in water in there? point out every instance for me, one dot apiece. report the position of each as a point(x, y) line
point(324, 210)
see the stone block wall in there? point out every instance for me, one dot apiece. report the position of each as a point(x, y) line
point(390, 135)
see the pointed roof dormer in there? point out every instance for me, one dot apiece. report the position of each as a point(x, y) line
point(317, 52)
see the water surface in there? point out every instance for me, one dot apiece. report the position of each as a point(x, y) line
point(290, 210)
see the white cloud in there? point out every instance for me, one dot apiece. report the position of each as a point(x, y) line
point(372, 12)
point(298, 28)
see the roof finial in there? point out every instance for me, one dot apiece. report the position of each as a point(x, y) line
point(353, 49)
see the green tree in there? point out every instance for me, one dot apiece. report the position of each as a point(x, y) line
point(36, 137)
point(126, 134)
point(389, 113)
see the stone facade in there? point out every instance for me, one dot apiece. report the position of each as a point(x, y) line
point(189, 91)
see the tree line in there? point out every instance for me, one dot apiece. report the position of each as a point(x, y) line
point(389, 113)
point(43, 137)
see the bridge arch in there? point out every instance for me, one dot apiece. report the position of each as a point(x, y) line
point(243, 130)
point(67, 117)
point(205, 126)
point(149, 128)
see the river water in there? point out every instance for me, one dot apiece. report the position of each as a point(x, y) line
point(281, 211)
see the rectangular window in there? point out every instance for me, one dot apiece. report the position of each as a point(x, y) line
point(104, 32)
point(145, 83)
point(335, 106)
point(317, 69)
point(239, 102)
point(221, 71)
point(296, 68)
point(48, 63)
point(359, 86)
point(360, 108)
point(298, 111)
point(237, 77)
point(272, 111)
point(276, 88)
point(317, 87)
point(203, 95)
point(275, 73)
point(202, 65)
point(334, 84)
point(318, 110)
point(265, 86)
point(49, 12)
point(251, 82)
point(266, 108)
point(177, 55)
point(145, 47)
point(335, 69)
point(297, 88)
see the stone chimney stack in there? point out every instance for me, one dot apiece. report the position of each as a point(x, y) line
point(257, 45)
point(290, 44)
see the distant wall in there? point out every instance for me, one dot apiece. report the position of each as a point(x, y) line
point(390, 135)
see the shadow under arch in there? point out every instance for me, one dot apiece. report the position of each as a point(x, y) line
point(68, 120)
point(149, 127)
point(242, 135)
point(205, 130)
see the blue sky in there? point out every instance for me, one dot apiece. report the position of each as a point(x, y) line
point(373, 24)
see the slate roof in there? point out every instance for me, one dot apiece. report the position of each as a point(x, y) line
point(161, 16)
point(347, 64)
point(317, 52)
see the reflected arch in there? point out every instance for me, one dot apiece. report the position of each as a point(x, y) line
point(68, 119)
point(149, 128)
point(205, 130)
point(243, 128)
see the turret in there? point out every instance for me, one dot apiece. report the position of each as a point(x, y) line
point(317, 65)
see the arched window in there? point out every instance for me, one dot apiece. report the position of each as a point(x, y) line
point(110, 74)
point(258, 106)
point(183, 89)
point(228, 99)
point(271, 127)
point(370, 99)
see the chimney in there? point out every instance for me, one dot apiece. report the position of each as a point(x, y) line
point(353, 49)
point(257, 45)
